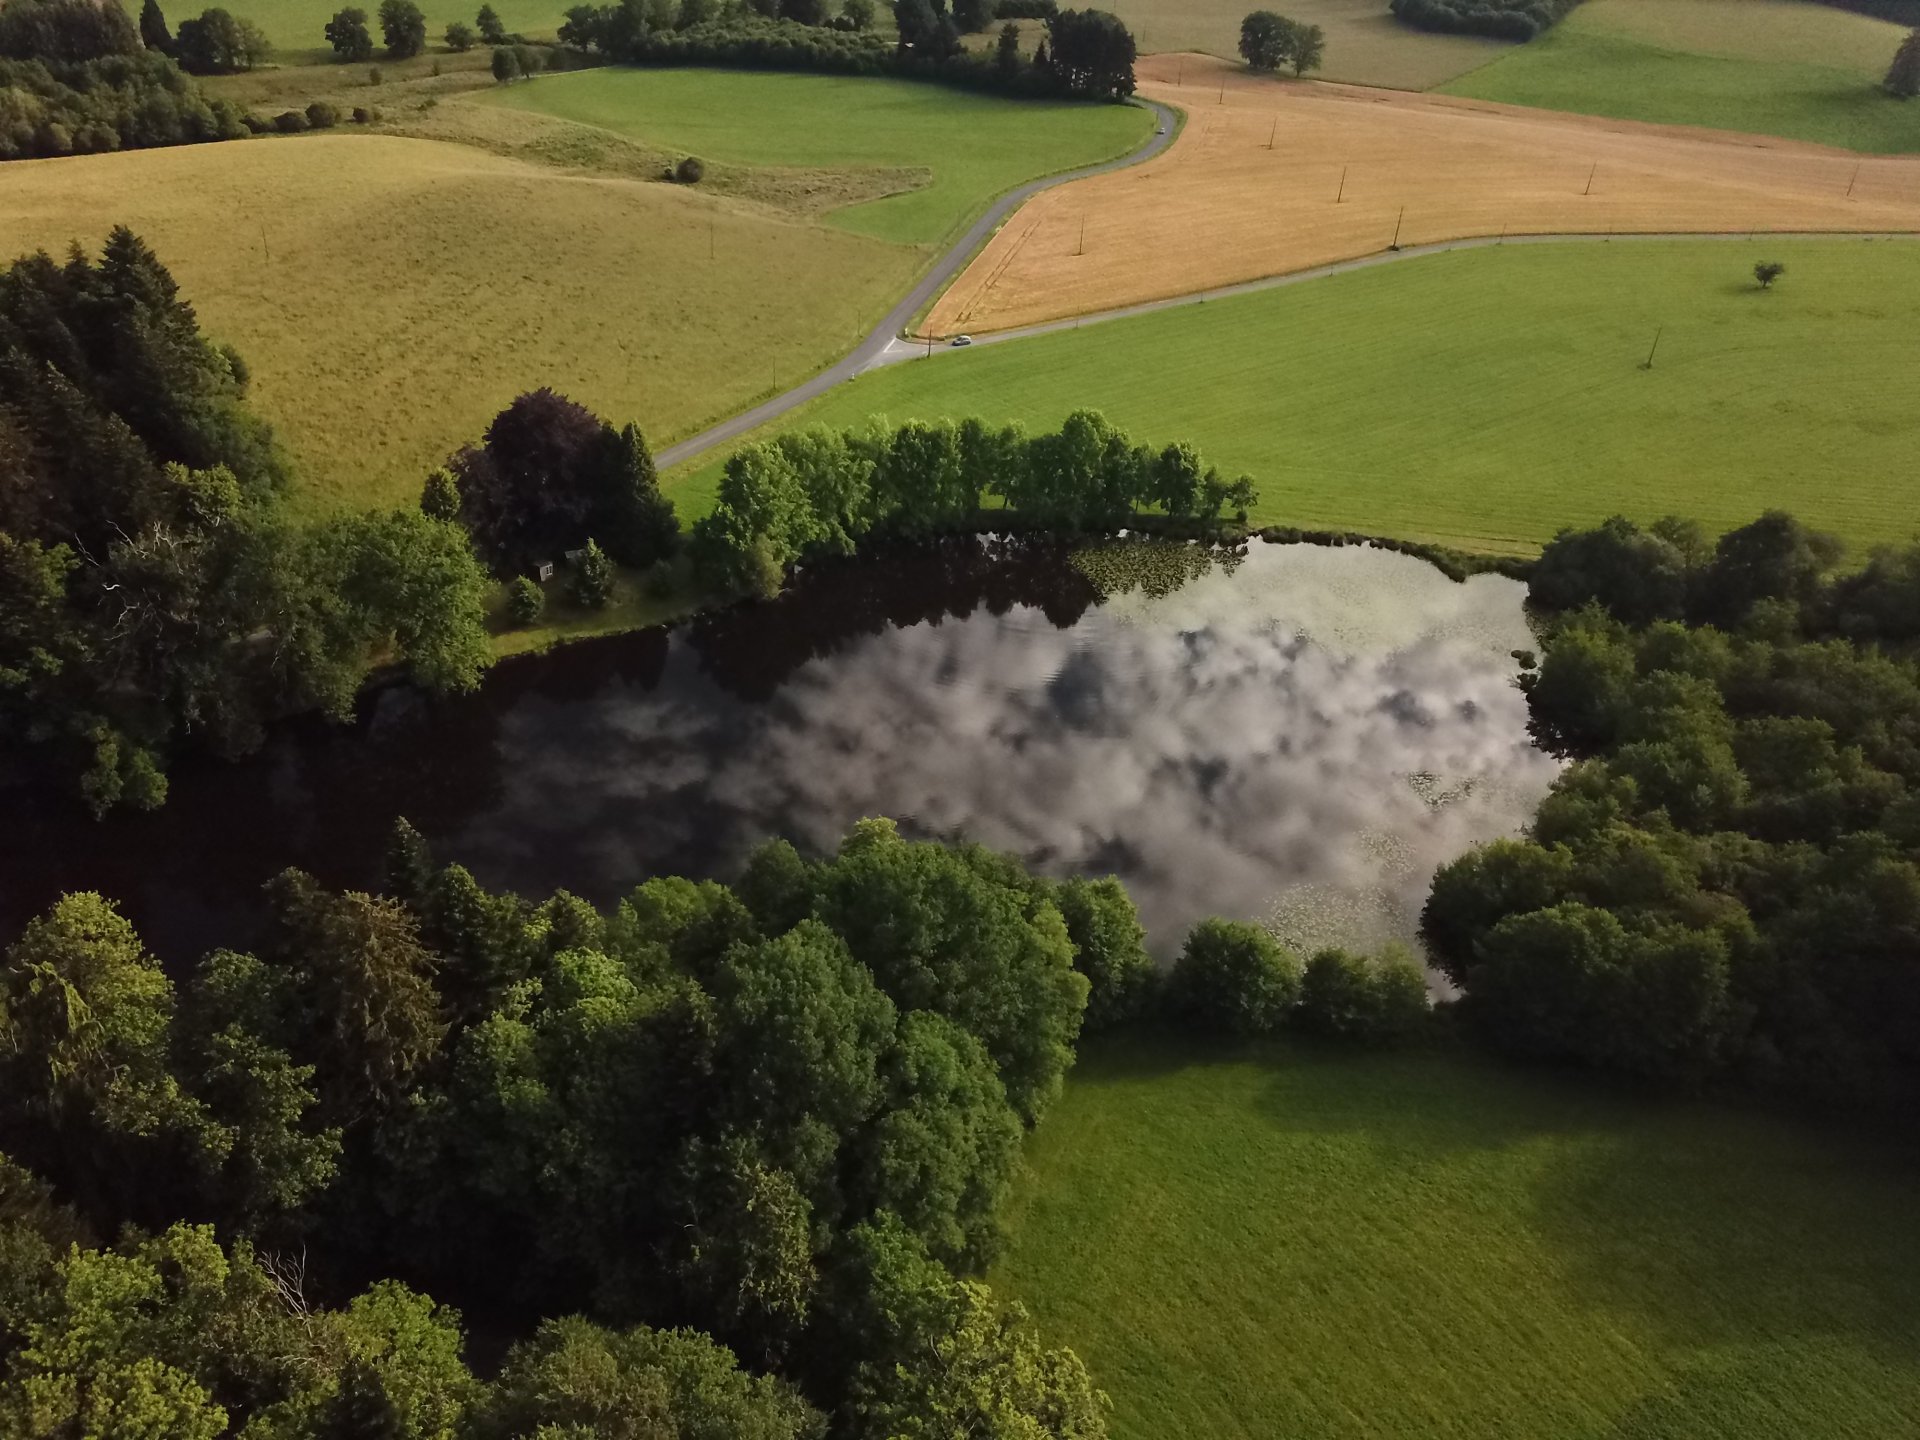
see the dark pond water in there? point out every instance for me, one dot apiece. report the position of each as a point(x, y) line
point(1297, 738)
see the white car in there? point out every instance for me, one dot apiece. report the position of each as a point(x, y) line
point(959, 340)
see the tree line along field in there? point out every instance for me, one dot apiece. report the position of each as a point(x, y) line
point(392, 294)
point(296, 26)
point(1294, 1241)
point(1776, 67)
point(1486, 398)
point(972, 146)
point(1269, 177)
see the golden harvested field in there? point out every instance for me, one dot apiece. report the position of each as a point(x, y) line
point(391, 295)
point(1220, 206)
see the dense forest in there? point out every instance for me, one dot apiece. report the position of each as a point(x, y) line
point(154, 591)
point(1501, 19)
point(1724, 886)
point(719, 1163)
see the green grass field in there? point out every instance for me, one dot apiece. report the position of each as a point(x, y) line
point(1776, 67)
point(1487, 398)
point(976, 146)
point(1337, 1244)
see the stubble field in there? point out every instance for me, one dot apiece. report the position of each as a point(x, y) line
point(1254, 186)
point(391, 295)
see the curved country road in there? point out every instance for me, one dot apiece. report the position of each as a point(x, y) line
point(883, 345)
point(870, 351)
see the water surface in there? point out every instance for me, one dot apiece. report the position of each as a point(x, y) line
point(1297, 738)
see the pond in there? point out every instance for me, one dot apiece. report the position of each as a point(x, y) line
point(1291, 734)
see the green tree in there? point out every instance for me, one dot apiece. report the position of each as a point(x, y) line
point(1903, 75)
point(1092, 54)
point(971, 17)
point(506, 68)
point(858, 13)
point(216, 42)
point(440, 496)
point(1109, 948)
point(86, 1016)
point(487, 22)
point(1006, 50)
point(1234, 978)
point(154, 31)
point(1768, 271)
point(1267, 40)
point(404, 27)
point(591, 582)
point(1475, 892)
point(459, 36)
point(525, 600)
point(938, 1356)
point(942, 930)
point(575, 1379)
point(347, 33)
point(1309, 48)
point(65, 32)
point(1637, 575)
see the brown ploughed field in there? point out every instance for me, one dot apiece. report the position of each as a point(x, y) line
point(1253, 186)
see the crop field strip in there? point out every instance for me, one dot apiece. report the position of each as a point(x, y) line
point(1270, 176)
point(1338, 1244)
point(1487, 397)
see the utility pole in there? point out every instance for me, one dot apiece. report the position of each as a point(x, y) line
point(1590, 174)
point(1396, 229)
point(1273, 132)
point(709, 237)
point(1856, 176)
point(1223, 93)
point(1081, 248)
point(1343, 186)
point(1652, 348)
point(1180, 77)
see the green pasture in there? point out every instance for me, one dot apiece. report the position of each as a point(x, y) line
point(1775, 67)
point(1486, 398)
point(1289, 1242)
point(972, 146)
point(300, 25)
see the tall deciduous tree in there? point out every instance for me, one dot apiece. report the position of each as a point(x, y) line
point(347, 33)
point(404, 27)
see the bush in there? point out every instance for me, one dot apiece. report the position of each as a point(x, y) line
point(459, 37)
point(505, 68)
point(366, 115)
point(375, 76)
point(291, 122)
point(690, 171)
point(322, 116)
point(1233, 978)
point(529, 60)
point(1500, 19)
point(525, 601)
point(1349, 997)
point(592, 582)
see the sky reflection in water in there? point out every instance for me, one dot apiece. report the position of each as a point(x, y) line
point(1301, 742)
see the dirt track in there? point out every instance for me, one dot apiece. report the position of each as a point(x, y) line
point(1253, 187)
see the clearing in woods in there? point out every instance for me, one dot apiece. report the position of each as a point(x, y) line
point(391, 295)
point(1485, 398)
point(1776, 67)
point(1298, 1241)
point(966, 147)
point(1220, 206)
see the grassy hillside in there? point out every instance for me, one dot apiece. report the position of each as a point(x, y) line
point(1489, 397)
point(1349, 1245)
point(1365, 44)
point(975, 146)
point(391, 295)
point(1776, 67)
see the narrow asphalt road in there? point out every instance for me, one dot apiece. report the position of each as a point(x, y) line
point(872, 350)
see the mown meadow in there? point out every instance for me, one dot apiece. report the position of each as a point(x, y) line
point(966, 147)
point(1774, 67)
point(1486, 398)
point(1305, 1241)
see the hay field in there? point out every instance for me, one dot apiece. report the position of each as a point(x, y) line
point(1302, 1242)
point(953, 149)
point(1486, 398)
point(1220, 206)
point(1365, 44)
point(391, 294)
point(1775, 67)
